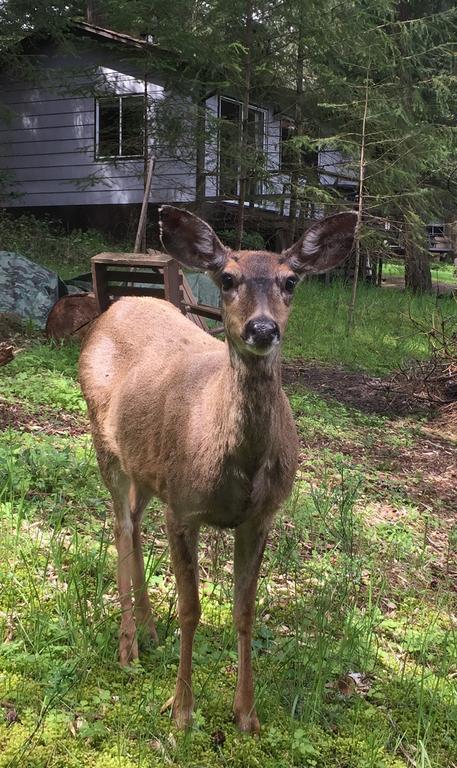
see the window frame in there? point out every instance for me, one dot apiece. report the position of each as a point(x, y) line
point(106, 158)
point(263, 149)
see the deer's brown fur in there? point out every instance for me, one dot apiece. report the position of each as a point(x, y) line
point(201, 424)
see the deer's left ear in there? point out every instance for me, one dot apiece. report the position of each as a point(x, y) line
point(324, 245)
point(190, 240)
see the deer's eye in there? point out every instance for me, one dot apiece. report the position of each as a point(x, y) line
point(227, 281)
point(290, 284)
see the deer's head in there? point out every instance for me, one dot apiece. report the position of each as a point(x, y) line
point(256, 286)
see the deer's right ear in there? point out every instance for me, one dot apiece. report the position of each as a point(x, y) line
point(190, 240)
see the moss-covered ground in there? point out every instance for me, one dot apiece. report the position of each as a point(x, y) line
point(355, 645)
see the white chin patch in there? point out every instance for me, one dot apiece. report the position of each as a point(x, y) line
point(258, 350)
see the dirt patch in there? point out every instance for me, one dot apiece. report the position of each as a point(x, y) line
point(438, 286)
point(14, 416)
point(354, 388)
point(424, 472)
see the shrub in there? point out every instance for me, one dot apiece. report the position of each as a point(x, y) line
point(251, 241)
point(47, 242)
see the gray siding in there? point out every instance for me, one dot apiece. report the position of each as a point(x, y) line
point(47, 138)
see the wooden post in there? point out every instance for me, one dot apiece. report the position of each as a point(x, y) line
point(100, 286)
point(144, 207)
point(379, 275)
point(172, 283)
point(200, 152)
point(245, 123)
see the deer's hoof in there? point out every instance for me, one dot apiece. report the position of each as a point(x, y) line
point(247, 722)
point(182, 713)
point(128, 648)
point(182, 716)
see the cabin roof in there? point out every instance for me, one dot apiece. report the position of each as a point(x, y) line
point(102, 33)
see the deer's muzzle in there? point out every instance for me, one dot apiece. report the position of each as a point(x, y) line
point(261, 333)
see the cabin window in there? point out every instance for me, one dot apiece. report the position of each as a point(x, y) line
point(231, 115)
point(308, 158)
point(120, 127)
point(229, 147)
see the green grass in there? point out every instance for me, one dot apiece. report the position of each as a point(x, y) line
point(355, 647)
point(441, 272)
point(388, 328)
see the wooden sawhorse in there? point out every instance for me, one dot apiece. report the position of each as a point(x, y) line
point(136, 274)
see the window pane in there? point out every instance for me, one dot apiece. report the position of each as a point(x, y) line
point(108, 127)
point(255, 128)
point(229, 147)
point(132, 126)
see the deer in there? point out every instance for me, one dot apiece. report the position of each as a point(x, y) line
point(201, 424)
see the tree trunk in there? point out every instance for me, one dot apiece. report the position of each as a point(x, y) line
point(92, 16)
point(245, 125)
point(200, 144)
point(296, 171)
point(418, 277)
point(358, 226)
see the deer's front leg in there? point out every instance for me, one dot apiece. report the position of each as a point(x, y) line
point(250, 539)
point(183, 549)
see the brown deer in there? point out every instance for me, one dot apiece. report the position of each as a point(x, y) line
point(201, 424)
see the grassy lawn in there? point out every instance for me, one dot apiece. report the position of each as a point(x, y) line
point(441, 272)
point(356, 635)
point(389, 326)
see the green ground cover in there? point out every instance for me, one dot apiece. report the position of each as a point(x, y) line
point(389, 328)
point(356, 637)
point(48, 243)
point(441, 272)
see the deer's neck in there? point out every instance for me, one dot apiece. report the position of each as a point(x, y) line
point(252, 397)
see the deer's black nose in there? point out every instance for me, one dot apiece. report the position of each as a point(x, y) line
point(262, 332)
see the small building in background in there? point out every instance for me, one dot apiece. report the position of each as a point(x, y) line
point(77, 129)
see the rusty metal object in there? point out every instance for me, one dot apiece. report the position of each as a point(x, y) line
point(71, 316)
point(6, 353)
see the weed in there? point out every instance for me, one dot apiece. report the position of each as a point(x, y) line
point(48, 243)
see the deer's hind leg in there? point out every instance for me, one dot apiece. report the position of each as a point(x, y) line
point(183, 550)
point(139, 499)
point(123, 535)
point(129, 503)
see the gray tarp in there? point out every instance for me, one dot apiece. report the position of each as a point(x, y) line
point(203, 288)
point(28, 289)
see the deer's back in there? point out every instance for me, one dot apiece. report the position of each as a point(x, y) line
point(134, 332)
